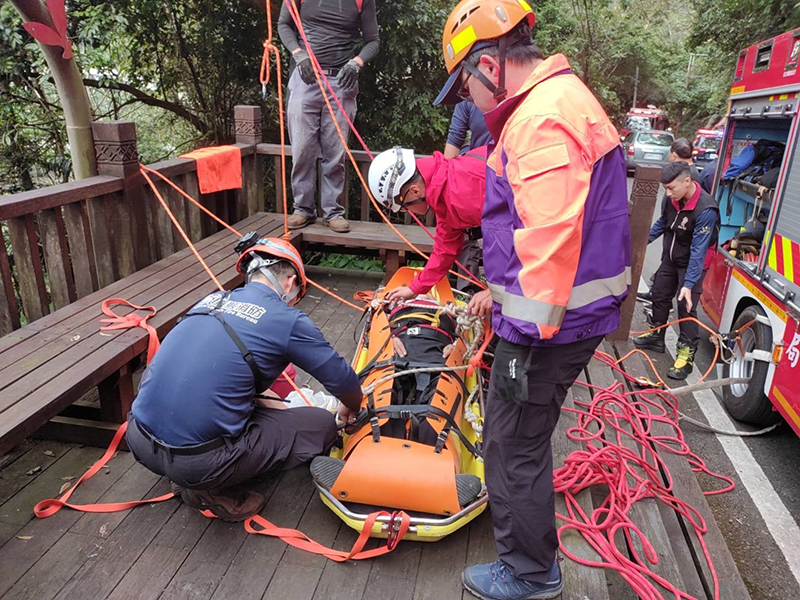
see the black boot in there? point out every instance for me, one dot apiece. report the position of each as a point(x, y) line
point(652, 340)
point(684, 362)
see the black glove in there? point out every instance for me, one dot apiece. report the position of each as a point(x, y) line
point(303, 63)
point(348, 75)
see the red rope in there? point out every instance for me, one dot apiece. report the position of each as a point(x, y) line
point(617, 432)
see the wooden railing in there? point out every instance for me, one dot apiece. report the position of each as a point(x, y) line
point(72, 239)
point(69, 240)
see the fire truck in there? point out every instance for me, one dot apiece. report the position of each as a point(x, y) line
point(754, 278)
point(643, 119)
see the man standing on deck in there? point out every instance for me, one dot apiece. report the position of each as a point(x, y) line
point(557, 261)
point(197, 418)
point(333, 28)
point(452, 187)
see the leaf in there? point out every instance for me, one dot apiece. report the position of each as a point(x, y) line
point(64, 488)
point(59, 15)
point(24, 537)
point(70, 478)
point(49, 453)
point(34, 470)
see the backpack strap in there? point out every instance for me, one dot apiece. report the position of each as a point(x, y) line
point(246, 354)
point(359, 4)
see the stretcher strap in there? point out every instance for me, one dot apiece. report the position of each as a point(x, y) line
point(130, 321)
point(397, 530)
point(47, 508)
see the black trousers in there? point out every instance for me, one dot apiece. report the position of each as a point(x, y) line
point(527, 388)
point(668, 281)
point(273, 440)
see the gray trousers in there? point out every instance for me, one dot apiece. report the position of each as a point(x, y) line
point(526, 391)
point(470, 257)
point(273, 440)
point(313, 135)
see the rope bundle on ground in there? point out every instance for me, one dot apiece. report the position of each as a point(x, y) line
point(621, 433)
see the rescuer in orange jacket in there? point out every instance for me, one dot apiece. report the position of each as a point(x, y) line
point(556, 253)
point(452, 187)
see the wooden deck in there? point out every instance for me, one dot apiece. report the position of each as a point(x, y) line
point(168, 550)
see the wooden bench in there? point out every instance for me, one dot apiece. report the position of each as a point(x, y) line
point(49, 364)
point(376, 236)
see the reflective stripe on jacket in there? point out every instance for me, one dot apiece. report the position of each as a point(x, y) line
point(555, 218)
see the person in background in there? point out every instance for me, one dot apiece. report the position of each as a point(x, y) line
point(689, 222)
point(334, 28)
point(452, 187)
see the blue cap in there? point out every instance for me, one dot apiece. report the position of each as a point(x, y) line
point(449, 93)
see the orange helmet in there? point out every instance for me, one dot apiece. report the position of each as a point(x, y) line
point(256, 254)
point(476, 24)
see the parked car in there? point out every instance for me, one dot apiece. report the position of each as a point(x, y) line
point(706, 147)
point(647, 148)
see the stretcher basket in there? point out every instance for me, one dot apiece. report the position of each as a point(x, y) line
point(422, 458)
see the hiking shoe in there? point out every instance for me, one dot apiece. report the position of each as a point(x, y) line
point(298, 221)
point(339, 225)
point(684, 363)
point(495, 582)
point(652, 340)
point(229, 505)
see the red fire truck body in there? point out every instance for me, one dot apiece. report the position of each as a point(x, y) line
point(755, 275)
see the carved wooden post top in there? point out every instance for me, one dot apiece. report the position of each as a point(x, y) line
point(115, 147)
point(248, 124)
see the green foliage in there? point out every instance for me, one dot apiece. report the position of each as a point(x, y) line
point(178, 67)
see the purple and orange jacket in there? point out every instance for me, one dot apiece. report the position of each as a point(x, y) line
point(556, 239)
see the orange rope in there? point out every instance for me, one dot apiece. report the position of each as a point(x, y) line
point(322, 288)
point(192, 200)
point(180, 229)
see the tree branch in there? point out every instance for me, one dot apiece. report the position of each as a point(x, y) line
point(146, 98)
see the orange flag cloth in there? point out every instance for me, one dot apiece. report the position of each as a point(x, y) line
point(218, 168)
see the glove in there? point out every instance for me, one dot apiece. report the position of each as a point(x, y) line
point(348, 75)
point(303, 63)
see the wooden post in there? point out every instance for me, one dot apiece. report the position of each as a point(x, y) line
point(640, 213)
point(116, 395)
point(115, 147)
point(250, 199)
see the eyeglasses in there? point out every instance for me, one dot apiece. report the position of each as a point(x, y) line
point(463, 91)
point(403, 205)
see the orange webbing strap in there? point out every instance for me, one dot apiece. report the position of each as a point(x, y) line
point(47, 508)
point(300, 540)
point(131, 320)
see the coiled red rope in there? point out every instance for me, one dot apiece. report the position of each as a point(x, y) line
point(617, 430)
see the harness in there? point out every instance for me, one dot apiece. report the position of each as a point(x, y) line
point(246, 354)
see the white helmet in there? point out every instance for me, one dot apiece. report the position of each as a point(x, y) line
point(389, 172)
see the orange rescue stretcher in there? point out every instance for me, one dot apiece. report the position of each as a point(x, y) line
point(416, 445)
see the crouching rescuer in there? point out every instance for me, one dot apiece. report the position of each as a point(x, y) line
point(689, 223)
point(200, 419)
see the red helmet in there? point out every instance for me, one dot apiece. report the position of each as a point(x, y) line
point(275, 249)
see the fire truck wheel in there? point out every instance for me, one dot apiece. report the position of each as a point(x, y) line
point(747, 402)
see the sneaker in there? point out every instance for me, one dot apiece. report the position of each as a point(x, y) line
point(233, 506)
point(298, 221)
point(645, 296)
point(339, 225)
point(176, 489)
point(652, 340)
point(684, 363)
point(495, 582)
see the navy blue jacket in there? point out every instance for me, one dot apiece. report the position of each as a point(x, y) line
point(199, 387)
point(468, 117)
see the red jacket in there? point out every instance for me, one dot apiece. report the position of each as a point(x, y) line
point(454, 190)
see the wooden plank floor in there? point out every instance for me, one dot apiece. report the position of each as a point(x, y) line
point(168, 550)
